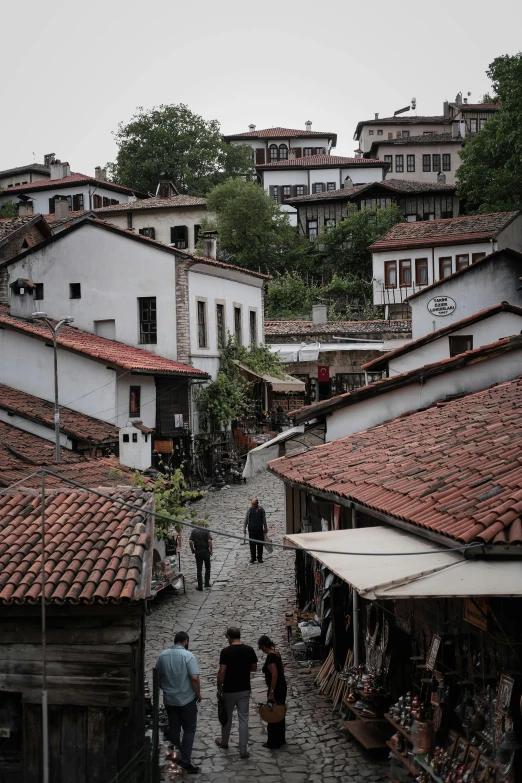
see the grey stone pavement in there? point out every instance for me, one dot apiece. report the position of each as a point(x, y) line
point(255, 598)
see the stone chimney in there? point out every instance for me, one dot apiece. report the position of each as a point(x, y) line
point(251, 127)
point(61, 208)
point(376, 115)
point(136, 445)
point(59, 169)
point(319, 314)
point(49, 158)
point(209, 246)
point(308, 125)
point(441, 178)
point(100, 173)
point(25, 208)
point(446, 110)
point(21, 298)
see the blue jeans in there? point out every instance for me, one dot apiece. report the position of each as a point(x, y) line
point(186, 718)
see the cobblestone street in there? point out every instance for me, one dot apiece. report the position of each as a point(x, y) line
point(255, 598)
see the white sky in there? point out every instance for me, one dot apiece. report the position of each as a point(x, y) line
point(72, 71)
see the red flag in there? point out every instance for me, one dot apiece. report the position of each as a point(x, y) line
point(323, 373)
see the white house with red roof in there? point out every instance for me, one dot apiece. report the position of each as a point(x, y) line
point(413, 256)
point(79, 191)
point(276, 144)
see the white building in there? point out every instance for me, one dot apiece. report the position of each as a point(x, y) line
point(420, 158)
point(275, 144)
point(78, 190)
point(368, 132)
point(23, 175)
point(412, 256)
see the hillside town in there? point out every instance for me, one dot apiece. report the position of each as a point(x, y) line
point(260, 464)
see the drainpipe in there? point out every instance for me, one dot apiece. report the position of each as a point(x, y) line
point(355, 606)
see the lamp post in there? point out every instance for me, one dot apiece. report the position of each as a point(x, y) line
point(54, 331)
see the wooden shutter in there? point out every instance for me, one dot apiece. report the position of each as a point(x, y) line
point(298, 152)
point(51, 206)
point(260, 157)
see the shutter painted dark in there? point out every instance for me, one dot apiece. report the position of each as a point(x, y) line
point(51, 206)
point(298, 152)
point(171, 399)
point(172, 235)
point(260, 157)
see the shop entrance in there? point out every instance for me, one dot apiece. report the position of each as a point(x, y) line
point(325, 390)
point(11, 713)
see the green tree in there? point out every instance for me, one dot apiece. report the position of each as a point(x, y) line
point(253, 232)
point(8, 210)
point(170, 141)
point(490, 175)
point(348, 298)
point(344, 248)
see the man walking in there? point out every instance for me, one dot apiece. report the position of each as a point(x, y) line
point(178, 676)
point(236, 662)
point(200, 543)
point(255, 522)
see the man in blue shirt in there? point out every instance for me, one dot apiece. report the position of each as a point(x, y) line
point(178, 676)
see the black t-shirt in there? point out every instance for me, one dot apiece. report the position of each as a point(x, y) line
point(238, 658)
point(200, 538)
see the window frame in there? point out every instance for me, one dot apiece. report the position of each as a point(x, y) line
point(298, 188)
point(389, 160)
point(252, 315)
point(380, 133)
point(410, 162)
point(136, 411)
point(473, 125)
point(459, 264)
point(421, 263)
point(308, 225)
point(317, 185)
point(389, 267)
point(436, 162)
point(273, 153)
point(221, 329)
point(75, 290)
point(148, 305)
point(405, 134)
point(238, 326)
point(331, 186)
point(426, 163)
point(307, 152)
point(443, 261)
point(399, 162)
point(404, 264)
point(147, 231)
point(202, 324)
point(453, 341)
point(38, 289)
point(446, 161)
point(281, 148)
point(480, 255)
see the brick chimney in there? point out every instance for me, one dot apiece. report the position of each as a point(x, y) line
point(209, 246)
point(308, 125)
point(100, 173)
point(61, 208)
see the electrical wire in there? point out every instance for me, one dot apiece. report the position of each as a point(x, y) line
point(286, 547)
point(113, 380)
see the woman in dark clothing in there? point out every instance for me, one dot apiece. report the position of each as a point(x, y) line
point(276, 684)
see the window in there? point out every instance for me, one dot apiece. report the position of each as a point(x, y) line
point(75, 290)
point(411, 218)
point(197, 229)
point(460, 344)
point(253, 327)
point(202, 323)
point(472, 126)
point(38, 292)
point(273, 153)
point(389, 159)
point(461, 262)
point(399, 163)
point(410, 162)
point(287, 191)
point(273, 192)
point(134, 400)
point(476, 257)
point(114, 201)
point(299, 190)
point(134, 437)
point(220, 325)
point(370, 133)
point(331, 186)
point(405, 134)
point(129, 219)
point(97, 202)
point(405, 272)
point(446, 206)
point(283, 152)
point(446, 162)
point(481, 124)
point(444, 267)
point(106, 201)
point(312, 229)
point(179, 237)
point(126, 438)
point(421, 271)
point(329, 223)
point(148, 232)
point(237, 324)
point(77, 201)
point(307, 151)
point(317, 187)
point(390, 274)
point(436, 163)
point(428, 216)
point(148, 320)
point(51, 206)
point(379, 133)
point(426, 162)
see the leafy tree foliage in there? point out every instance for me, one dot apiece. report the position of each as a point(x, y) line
point(490, 176)
point(253, 232)
point(348, 298)
point(8, 210)
point(171, 142)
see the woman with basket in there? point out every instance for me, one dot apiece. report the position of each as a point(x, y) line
point(276, 685)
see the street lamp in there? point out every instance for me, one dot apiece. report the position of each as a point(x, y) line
point(54, 331)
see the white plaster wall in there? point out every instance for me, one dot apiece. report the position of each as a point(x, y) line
point(33, 427)
point(469, 379)
point(21, 177)
point(511, 236)
point(41, 197)
point(147, 399)
point(162, 220)
point(220, 290)
point(113, 271)
point(484, 332)
point(135, 455)
point(366, 141)
point(290, 176)
point(360, 174)
point(419, 150)
point(84, 385)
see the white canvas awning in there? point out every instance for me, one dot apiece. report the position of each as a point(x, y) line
point(286, 384)
point(388, 563)
point(258, 458)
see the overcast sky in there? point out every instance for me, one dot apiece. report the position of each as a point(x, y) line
point(71, 72)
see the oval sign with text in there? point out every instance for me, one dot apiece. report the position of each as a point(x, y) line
point(442, 305)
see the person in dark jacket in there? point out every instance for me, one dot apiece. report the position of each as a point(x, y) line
point(200, 543)
point(274, 672)
point(255, 523)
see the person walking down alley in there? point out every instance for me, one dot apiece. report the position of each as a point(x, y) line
point(236, 663)
point(276, 689)
point(200, 543)
point(178, 676)
point(255, 523)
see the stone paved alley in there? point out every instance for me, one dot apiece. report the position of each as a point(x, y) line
point(255, 598)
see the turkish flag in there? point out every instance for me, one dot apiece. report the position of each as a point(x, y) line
point(323, 373)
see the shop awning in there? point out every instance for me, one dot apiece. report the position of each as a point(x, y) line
point(258, 458)
point(387, 563)
point(286, 384)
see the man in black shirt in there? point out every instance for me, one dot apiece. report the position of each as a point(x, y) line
point(200, 543)
point(236, 662)
point(255, 521)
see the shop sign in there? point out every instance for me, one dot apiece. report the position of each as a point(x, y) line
point(442, 305)
point(476, 612)
point(323, 373)
point(433, 651)
point(178, 420)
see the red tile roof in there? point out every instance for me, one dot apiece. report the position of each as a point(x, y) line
point(97, 551)
point(321, 161)
point(280, 133)
point(449, 231)
point(77, 425)
point(306, 328)
point(21, 450)
point(454, 469)
point(98, 472)
point(10, 226)
point(156, 202)
point(400, 186)
point(39, 168)
point(74, 178)
point(418, 375)
point(117, 354)
point(402, 120)
point(425, 138)
point(381, 361)
point(477, 106)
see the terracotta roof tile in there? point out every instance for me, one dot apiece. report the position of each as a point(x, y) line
point(394, 185)
point(156, 202)
point(307, 328)
point(77, 425)
point(118, 354)
point(425, 138)
point(73, 179)
point(122, 535)
point(322, 161)
point(38, 167)
point(279, 133)
point(450, 491)
point(9, 226)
